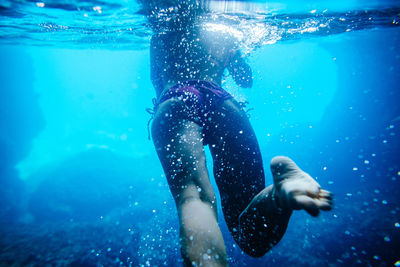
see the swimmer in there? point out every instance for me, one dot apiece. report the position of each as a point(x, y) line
point(192, 111)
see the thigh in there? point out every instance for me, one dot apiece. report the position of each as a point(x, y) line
point(238, 167)
point(179, 145)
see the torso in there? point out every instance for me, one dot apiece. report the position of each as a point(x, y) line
point(180, 56)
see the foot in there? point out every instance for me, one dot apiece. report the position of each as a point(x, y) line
point(295, 190)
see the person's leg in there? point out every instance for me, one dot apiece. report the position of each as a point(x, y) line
point(238, 170)
point(256, 216)
point(179, 145)
point(267, 215)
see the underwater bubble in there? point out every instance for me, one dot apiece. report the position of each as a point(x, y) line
point(124, 137)
point(206, 257)
point(397, 263)
point(384, 202)
point(397, 225)
point(97, 9)
point(387, 239)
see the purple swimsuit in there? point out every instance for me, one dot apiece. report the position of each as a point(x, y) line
point(200, 97)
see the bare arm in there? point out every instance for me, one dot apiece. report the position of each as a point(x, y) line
point(240, 71)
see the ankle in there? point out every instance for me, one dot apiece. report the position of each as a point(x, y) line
point(278, 201)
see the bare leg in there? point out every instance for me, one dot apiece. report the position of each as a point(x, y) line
point(257, 216)
point(268, 213)
point(180, 148)
point(238, 167)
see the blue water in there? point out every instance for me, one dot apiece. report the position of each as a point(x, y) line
point(81, 185)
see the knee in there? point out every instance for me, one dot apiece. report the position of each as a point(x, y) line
point(196, 206)
point(196, 193)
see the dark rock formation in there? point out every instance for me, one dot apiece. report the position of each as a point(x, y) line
point(69, 244)
point(90, 191)
point(20, 122)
